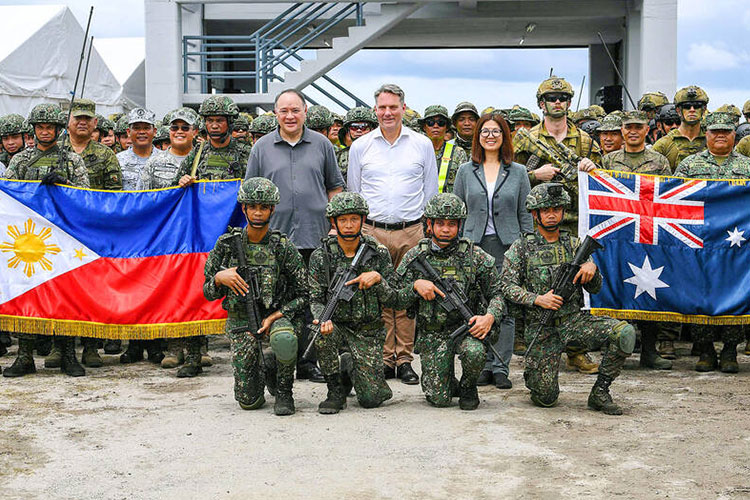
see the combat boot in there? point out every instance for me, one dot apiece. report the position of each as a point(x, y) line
point(269, 359)
point(70, 365)
point(43, 345)
point(5, 340)
point(112, 346)
point(728, 359)
point(284, 404)
point(666, 349)
point(707, 361)
point(468, 396)
point(582, 362)
point(133, 353)
point(24, 363)
point(336, 399)
point(346, 367)
point(519, 347)
point(747, 348)
point(192, 366)
point(154, 351)
point(206, 359)
point(649, 356)
point(54, 360)
point(90, 356)
point(600, 399)
point(175, 355)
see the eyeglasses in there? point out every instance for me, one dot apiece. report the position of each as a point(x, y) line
point(440, 122)
point(693, 105)
point(175, 128)
point(556, 97)
point(669, 122)
point(359, 126)
point(487, 132)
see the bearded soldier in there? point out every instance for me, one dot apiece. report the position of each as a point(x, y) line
point(282, 300)
point(473, 271)
point(356, 324)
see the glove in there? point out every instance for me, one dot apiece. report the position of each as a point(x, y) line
point(54, 178)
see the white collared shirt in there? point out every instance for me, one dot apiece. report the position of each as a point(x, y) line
point(396, 179)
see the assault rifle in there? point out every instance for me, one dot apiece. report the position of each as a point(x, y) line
point(563, 283)
point(251, 298)
point(455, 299)
point(339, 291)
point(560, 155)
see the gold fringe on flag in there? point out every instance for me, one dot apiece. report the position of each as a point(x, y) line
point(696, 319)
point(45, 326)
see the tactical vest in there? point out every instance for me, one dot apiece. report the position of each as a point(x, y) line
point(44, 165)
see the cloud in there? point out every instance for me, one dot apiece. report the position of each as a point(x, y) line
point(706, 56)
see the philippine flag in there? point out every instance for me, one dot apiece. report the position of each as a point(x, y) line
point(110, 264)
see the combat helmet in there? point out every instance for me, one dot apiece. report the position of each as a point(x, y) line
point(121, 127)
point(258, 190)
point(549, 194)
point(742, 131)
point(219, 105)
point(12, 124)
point(104, 125)
point(652, 101)
point(668, 112)
point(746, 108)
point(445, 206)
point(318, 117)
point(554, 84)
point(347, 203)
point(592, 127)
point(520, 114)
point(358, 114)
point(46, 113)
point(162, 134)
point(241, 122)
point(264, 124)
point(692, 93)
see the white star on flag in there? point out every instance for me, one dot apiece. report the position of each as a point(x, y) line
point(646, 279)
point(735, 237)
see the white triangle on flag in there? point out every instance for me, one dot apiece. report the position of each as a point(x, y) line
point(33, 250)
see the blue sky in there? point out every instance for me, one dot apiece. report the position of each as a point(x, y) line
point(712, 53)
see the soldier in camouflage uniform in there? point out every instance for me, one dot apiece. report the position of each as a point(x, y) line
point(718, 161)
point(333, 132)
point(520, 117)
point(448, 157)
point(464, 119)
point(528, 272)
point(106, 128)
point(141, 131)
point(262, 125)
point(161, 138)
point(732, 110)
point(651, 103)
point(283, 286)
point(12, 129)
point(241, 129)
point(47, 162)
point(356, 324)
point(474, 271)
point(610, 135)
point(688, 138)
point(161, 169)
point(122, 139)
point(319, 118)
point(221, 157)
point(743, 147)
point(357, 122)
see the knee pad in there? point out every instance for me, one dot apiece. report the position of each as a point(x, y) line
point(284, 345)
point(544, 401)
point(254, 405)
point(438, 403)
point(625, 337)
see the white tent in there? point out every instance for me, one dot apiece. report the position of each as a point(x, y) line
point(39, 58)
point(126, 58)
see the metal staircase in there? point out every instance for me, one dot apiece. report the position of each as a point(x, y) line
point(256, 67)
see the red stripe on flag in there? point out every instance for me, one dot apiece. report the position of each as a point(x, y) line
point(148, 290)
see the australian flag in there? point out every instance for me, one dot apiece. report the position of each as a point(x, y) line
point(675, 249)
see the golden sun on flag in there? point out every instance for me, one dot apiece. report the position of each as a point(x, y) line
point(29, 247)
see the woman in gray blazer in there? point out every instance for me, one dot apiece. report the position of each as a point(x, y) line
point(494, 189)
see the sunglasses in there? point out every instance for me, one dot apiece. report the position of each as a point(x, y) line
point(359, 126)
point(494, 132)
point(693, 105)
point(240, 129)
point(670, 122)
point(556, 97)
point(440, 122)
point(184, 128)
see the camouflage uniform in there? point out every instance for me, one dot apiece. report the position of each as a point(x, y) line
point(743, 147)
point(675, 146)
point(464, 144)
point(283, 284)
point(33, 164)
point(705, 165)
point(12, 124)
point(647, 161)
point(447, 175)
point(474, 271)
point(132, 164)
point(160, 169)
point(528, 271)
point(357, 324)
point(354, 115)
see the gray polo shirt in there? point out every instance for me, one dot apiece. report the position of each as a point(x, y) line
point(304, 173)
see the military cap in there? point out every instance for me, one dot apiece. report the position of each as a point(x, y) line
point(650, 101)
point(690, 94)
point(445, 206)
point(188, 115)
point(12, 124)
point(732, 110)
point(746, 108)
point(554, 84)
point(318, 117)
point(719, 121)
point(520, 114)
point(141, 115)
point(258, 190)
point(635, 117)
point(434, 110)
point(547, 195)
point(347, 202)
point(464, 106)
point(83, 107)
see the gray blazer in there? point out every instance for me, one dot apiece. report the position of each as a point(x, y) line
point(509, 201)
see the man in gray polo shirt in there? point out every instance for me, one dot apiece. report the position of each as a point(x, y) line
point(302, 163)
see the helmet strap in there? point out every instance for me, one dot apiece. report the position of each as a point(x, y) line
point(348, 237)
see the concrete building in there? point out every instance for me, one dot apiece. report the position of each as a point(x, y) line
point(254, 49)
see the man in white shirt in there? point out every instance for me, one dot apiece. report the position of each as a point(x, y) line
point(394, 168)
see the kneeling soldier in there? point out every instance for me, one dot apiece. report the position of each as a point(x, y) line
point(528, 273)
point(271, 283)
point(472, 278)
point(357, 319)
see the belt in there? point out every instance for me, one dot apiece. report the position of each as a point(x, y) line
point(392, 226)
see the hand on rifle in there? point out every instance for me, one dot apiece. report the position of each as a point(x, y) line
point(546, 172)
point(549, 301)
point(585, 273)
point(186, 180)
point(586, 165)
point(265, 326)
point(365, 280)
point(427, 289)
point(481, 325)
point(326, 328)
point(230, 278)
point(54, 178)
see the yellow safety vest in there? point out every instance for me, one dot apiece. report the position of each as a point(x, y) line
point(444, 163)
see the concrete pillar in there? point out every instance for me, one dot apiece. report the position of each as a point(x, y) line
point(191, 21)
point(163, 56)
point(601, 73)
